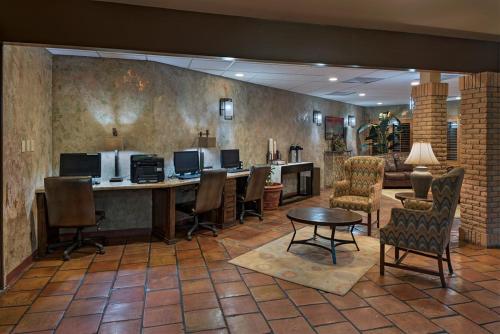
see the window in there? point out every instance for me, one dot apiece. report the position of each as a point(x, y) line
point(452, 138)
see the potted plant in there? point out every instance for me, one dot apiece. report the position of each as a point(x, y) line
point(272, 193)
point(338, 144)
point(379, 135)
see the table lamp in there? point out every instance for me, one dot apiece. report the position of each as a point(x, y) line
point(421, 154)
point(115, 143)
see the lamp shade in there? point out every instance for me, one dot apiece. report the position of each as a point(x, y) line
point(206, 142)
point(113, 143)
point(421, 154)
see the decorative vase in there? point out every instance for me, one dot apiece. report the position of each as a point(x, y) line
point(272, 194)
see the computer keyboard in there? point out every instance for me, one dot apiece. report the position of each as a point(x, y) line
point(188, 176)
point(237, 170)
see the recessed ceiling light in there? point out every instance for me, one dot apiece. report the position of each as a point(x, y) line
point(333, 79)
point(415, 83)
point(239, 75)
point(320, 64)
point(228, 58)
point(362, 94)
point(412, 70)
point(379, 103)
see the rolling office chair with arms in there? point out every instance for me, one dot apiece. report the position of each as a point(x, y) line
point(70, 203)
point(254, 189)
point(208, 198)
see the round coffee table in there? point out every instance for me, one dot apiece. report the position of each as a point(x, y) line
point(324, 217)
point(402, 196)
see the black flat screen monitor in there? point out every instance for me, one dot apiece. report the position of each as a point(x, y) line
point(80, 164)
point(186, 162)
point(230, 158)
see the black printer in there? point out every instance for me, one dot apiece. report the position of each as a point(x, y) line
point(146, 168)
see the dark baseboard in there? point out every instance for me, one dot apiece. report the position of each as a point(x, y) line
point(16, 273)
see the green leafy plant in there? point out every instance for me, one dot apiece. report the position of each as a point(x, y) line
point(269, 181)
point(338, 144)
point(381, 139)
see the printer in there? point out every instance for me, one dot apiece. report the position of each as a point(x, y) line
point(146, 168)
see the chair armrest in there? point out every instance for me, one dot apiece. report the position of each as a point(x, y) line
point(340, 188)
point(413, 204)
point(375, 195)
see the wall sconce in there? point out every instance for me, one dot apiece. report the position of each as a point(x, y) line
point(226, 108)
point(317, 117)
point(351, 121)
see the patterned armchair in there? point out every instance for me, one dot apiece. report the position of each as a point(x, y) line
point(424, 228)
point(361, 189)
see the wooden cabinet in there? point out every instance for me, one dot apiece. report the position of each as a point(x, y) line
point(227, 212)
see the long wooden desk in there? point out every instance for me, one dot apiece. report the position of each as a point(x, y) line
point(163, 210)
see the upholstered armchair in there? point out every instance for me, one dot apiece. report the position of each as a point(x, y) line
point(424, 228)
point(361, 189)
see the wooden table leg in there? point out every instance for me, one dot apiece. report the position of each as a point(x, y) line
point(164, 214)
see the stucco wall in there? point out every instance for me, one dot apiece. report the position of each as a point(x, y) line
point(26, 116)
point(160, 109)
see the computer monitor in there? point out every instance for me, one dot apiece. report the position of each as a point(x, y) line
point(230, 158)
point(80, 164)
point(186, 162)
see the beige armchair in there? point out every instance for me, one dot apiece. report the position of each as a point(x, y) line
point(361, 189)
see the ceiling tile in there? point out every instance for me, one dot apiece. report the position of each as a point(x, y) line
point(175, 61)
point(209, 64)
point(73, 52)
point(120, 55)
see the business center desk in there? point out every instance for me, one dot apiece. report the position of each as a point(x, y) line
point(163, 211)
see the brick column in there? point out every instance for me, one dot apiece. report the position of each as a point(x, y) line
point(430, 119)
point(480, 156)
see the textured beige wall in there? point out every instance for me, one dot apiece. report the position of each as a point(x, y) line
point(160, 109)
point(26, 115)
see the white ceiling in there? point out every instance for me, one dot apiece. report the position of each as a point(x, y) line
point(393, 88)
point(457, 18)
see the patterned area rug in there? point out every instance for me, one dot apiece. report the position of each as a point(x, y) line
point(312, 266)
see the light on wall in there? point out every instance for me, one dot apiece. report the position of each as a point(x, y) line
point(351, 121)
point(317, 117)
point(226, 108)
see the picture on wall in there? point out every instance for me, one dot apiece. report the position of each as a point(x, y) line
point(334, 127)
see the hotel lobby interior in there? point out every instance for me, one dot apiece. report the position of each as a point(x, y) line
point(250, 167)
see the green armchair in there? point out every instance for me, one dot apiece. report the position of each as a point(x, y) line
point(424, 228)
point(362, 188)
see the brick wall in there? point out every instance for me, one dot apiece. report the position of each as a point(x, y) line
point(480, 156)
point(430, 119)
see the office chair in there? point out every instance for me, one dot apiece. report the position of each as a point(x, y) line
point(208, 198)
point(70, 204)
point(254, 189)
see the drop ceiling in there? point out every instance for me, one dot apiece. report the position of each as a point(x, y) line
point(382, 87)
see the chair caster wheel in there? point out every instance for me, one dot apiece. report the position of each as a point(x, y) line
point(66, 257)
point(189, 238)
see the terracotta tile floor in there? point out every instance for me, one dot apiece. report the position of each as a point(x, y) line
point(146, 286)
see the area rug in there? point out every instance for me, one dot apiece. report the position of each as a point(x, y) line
point(312, 266)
